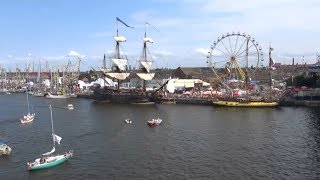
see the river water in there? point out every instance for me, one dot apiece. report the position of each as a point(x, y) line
point(193, 142)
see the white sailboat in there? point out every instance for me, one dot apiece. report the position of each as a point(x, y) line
point(48, 160)
point(57, 96)
point(30, 116)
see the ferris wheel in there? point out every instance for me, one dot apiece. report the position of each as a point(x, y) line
point(234, 57)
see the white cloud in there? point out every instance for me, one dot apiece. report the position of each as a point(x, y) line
point(162, 53)
point(187, 28)
point(75, 54)
point(290, 25)
point(202, 51)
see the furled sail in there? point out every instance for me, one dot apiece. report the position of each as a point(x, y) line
point(105, 70)
point(120, 76)
point(146, 76)
point(121, 63)
point(57, 139)
point(50, 152)
point(146, 65)
point(147, 40)
point(119, 39)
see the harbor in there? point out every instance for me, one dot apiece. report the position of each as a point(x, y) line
point(159, 90)
point(190, 140)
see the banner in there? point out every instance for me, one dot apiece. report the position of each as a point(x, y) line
point(123, 22)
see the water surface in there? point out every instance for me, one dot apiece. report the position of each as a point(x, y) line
point(193, 142)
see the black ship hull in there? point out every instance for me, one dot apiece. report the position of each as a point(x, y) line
point(124, 97)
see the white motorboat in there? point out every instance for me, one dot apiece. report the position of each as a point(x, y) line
point(70, 106)
point(4, 149)
point(57, 96)
point(27, 118)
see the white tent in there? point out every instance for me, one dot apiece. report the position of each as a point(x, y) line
point(187, 83)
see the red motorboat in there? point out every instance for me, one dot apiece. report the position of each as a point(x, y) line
point(154, 122)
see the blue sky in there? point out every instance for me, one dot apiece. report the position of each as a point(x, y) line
point(48, 30)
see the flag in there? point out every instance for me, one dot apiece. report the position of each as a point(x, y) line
point(151, 25)
point(123, 22)
point(56, 138)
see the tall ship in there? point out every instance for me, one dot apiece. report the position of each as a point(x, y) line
point(119, 73)
point(234, 73)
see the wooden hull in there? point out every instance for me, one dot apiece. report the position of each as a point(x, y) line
point(245, 104)
point(123, 97)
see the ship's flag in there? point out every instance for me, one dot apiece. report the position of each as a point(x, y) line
point(123, 23)
point(152, 26)
point(56, 138)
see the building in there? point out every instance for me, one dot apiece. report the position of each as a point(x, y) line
point(202, 73)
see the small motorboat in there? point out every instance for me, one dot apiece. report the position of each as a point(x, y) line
point(128, 121)
point(154, 122)
point(70, 106)
point(49, 161)
point(27, 118)
point(4, 149)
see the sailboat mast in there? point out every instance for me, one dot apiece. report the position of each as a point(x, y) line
point(28, 101)
point(54, 144)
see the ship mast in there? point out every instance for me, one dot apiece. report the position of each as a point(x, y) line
point(269, 72)
point(117, 56)
point(117, 50)
point(119, 64)
point(144, 51)
point(145, 64)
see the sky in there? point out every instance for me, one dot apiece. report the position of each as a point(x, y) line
point(56, 31)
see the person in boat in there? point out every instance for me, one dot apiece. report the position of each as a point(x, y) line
point(7, 150)
point(42, 160)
